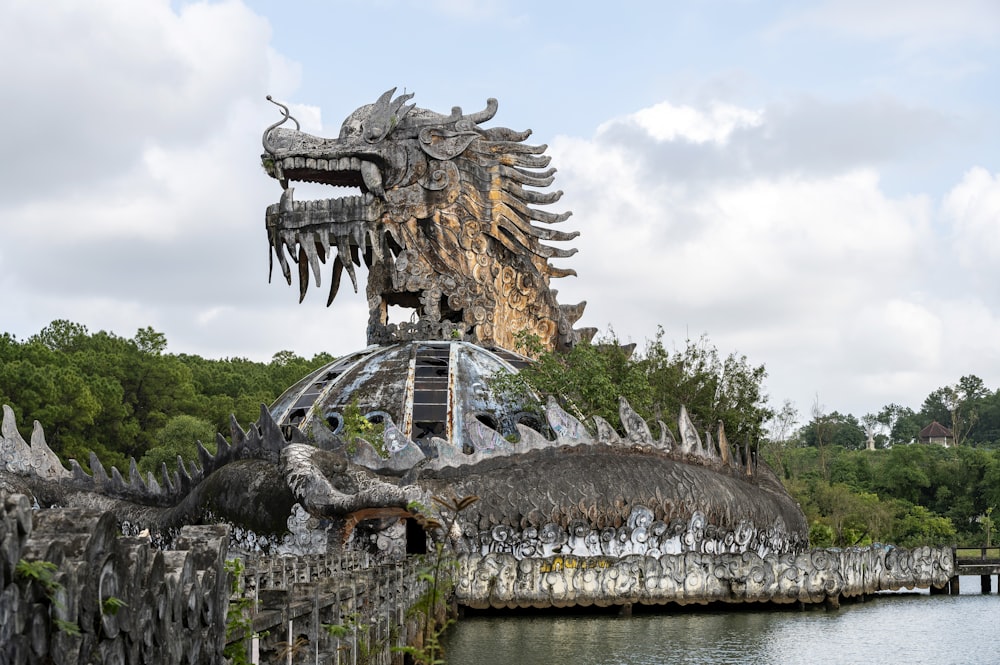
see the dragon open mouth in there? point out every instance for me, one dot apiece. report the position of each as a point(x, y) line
point(310, 231)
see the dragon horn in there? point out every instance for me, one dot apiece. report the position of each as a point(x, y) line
point(286, 115)
point(384, 115)
point(486, 114)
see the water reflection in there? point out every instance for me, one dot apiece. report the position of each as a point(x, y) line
point(892, 629)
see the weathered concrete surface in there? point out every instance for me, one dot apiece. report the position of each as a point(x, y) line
point(501, 581)
point(107, 598)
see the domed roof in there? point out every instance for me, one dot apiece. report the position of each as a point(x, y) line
point(427, 388)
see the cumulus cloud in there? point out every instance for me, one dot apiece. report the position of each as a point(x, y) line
point(805, 264)
point(138, 185)
point(972, 208)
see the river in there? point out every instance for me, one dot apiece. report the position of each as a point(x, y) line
point(891, 628)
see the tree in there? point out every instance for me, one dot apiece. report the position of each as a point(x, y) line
point(779, 430)
point(958, 405)
point(834, 429)
point(61, 335)
point(178, 438)
point(149, 341)
point(589, 379)
point(889, 417)
point(916, 526)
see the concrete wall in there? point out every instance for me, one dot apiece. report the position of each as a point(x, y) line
point(822, 575)
point(85, 594)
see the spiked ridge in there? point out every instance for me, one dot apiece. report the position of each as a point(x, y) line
point(262, 440)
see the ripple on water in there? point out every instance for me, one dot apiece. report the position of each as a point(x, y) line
point(943, 630)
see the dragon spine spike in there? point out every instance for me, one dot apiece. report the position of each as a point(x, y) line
point(183, 475)
point(636, 429)
point(80, 476)
point(605, 432)
point(666, 441)
point(152, 485)
point(222, 447)
point(45, 462)
point(236, 432)
point(170, 487)
point(100, 475)
point(690, 441)
point(206, 458)
point(117, 482)
point(136, 483)
point(724, 452)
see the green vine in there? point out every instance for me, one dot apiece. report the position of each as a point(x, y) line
point(367, 650)
point(356, 426)
point(239, 623)
point(427, 606)
point(43, 574)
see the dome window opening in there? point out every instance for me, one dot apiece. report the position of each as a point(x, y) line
point(532, 421)
point(335, 422)
point(488, 420)
point(431, 393)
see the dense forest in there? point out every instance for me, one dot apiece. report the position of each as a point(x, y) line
point(127, 397)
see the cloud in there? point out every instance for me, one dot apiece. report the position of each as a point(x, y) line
point(807, 265)
point(96, 85)
point(913, 23)
point(137, 172)
point(972, 208)
point(807, 135)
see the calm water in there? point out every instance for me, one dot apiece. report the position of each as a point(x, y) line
point(894, 628)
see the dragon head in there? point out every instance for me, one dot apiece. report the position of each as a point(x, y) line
point(444, 222)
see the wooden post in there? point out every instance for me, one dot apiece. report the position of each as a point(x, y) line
point(984, 584)
point(954, 586)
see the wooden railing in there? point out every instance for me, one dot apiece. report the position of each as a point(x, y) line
point(977, 556)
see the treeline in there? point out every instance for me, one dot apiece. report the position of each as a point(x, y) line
point(909, 495)
point(126, 397)
point(969, 408)
point(872, 479)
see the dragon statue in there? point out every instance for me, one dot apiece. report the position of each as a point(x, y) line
point(443, 222)
point(446, 225)
point(408, 440)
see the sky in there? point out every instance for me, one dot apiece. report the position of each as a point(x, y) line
point(812, 184)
